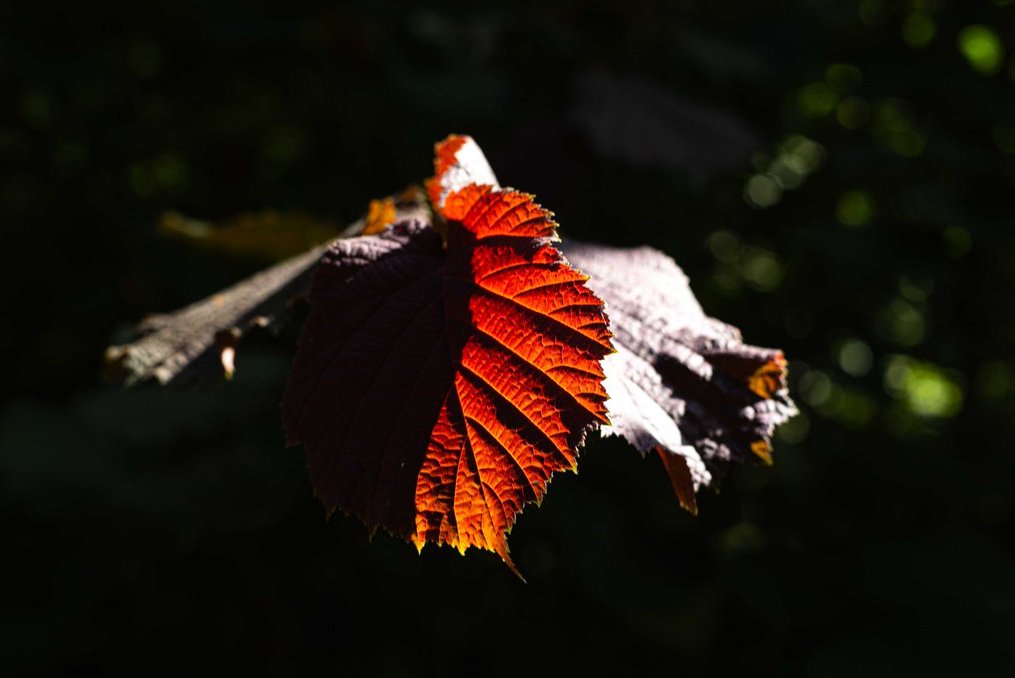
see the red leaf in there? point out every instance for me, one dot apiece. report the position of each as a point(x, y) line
point(437, 389)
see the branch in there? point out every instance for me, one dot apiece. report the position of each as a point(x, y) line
point(177, 346)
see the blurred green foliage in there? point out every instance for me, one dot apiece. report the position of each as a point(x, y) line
point(870, 234)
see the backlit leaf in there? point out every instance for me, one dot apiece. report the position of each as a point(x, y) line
point(439, 383)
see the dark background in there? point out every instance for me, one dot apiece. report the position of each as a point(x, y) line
point(836, 177)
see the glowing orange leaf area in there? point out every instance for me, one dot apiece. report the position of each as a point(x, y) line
point(768, 379)
point(380, 215)
point(445, 159)
point(438, 386)
point(528, 335)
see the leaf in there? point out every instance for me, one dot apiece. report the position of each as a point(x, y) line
point(269, 235)
point(681, 384)
point(438, 385)
point(453, 360)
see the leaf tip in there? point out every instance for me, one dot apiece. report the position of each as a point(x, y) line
point(680, 477)
point(501, 549)
point(763, 451)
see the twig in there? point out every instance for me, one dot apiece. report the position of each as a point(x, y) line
point(178, 345)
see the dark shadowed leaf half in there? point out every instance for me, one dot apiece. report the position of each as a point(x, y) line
point(681, 384)
point(439, 383)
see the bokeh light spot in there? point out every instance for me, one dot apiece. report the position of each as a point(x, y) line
point(843, 76)
point(982, 48)
point(815, 387)
point(855, 357)
point(854, 208)
point(903, 323)
point(807, 154)
point(817, 100)
point(762, 191)
point(795, 430)
point(762, 269)
point(853, 112)
point(725, 246)
point(918, 30)
point(907, 142)
point(925, 389)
